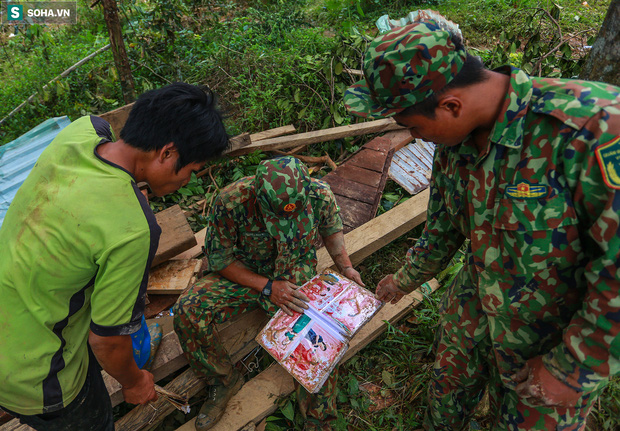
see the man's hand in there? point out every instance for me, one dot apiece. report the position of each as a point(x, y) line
point(143, 391)
point(286, 296)
point(388, 291)
point(536, 384)
point(352, 274)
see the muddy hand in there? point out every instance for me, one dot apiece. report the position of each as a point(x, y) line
point(287, 296)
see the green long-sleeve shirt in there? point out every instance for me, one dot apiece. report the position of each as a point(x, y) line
point(541, 207)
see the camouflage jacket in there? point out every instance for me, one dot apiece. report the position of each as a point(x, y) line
point(541, 208)
point(236, 231)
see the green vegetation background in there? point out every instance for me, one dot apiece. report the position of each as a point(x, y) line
point(280, 62)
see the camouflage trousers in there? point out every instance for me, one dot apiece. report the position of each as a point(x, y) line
point(214, 300)
point(460, 376)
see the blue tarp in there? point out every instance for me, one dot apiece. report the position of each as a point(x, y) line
point(19, 156)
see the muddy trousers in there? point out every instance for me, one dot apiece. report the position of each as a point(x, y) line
point(458, 383)
point(214, 300)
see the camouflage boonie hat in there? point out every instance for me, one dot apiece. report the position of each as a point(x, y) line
point(282, 188)
point(403, 67)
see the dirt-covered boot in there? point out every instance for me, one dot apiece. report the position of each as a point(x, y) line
point(217, 399)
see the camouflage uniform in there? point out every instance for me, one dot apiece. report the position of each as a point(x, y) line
point(540, 205)
point(237, 229)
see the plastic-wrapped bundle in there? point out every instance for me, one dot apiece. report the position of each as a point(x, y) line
point(385, 24)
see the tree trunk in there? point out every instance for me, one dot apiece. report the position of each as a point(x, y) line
point(110, 13)
point(603, 63)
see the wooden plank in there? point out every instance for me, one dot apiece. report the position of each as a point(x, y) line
point(359, 175)
point(380, 143)
point(240, 141)
point(142, 417)
point(380, 231)
point(158, 304)
point(399, 138)
point(273, 133)
point(258, 397)
point(238, 336)
point(368, 159)
point(351, 189)
point(195, 250)
point(352, 212)
point(173, 276)
point(314, 137)
point(117, 118)
point(176, 234)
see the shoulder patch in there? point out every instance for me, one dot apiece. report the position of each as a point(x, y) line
point(608, 156)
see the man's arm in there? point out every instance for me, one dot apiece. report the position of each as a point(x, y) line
point(115, 355)
point(334, 244)
point(284, 294)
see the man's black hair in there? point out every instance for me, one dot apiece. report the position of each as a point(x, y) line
point(471, 73)
point(181, 113)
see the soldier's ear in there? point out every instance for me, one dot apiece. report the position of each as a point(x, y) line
point(451, 104)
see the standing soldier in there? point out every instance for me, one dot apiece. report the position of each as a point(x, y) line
point(526, 170)
point(260, 247)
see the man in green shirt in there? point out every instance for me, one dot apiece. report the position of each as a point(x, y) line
point(525, 174)
point(77, 244)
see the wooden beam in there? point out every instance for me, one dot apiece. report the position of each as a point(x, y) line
point(117, 118)
point(176, 234)
point(240, 141)
point(195, 250)
point(380, 231)
point(173, 276)
point(258, 397)
point(273, 133)
point(314, 137)
point(147, 416)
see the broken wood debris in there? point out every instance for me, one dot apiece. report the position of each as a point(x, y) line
point(314, 137)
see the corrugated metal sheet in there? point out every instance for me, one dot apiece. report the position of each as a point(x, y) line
point(411, 166)
point(19, 156)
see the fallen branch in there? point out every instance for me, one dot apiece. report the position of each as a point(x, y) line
point(62, 75)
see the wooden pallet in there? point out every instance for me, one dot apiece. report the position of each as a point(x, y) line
point(358, 183)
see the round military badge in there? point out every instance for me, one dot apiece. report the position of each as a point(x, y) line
point(289, 208)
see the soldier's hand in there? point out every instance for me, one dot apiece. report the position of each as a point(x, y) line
point(388, 291)
point(352, 274)
point(536, 384)
point(286, 296)
point(143, 391)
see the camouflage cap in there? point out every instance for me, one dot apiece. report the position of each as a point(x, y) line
point(403, 67)
point(282, 188)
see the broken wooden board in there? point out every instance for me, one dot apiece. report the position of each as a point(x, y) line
point(358, 183)
point(237, 334)
point(258, 397)
point(314, 137)
point(380, 231)
point(143, 417)
point(411, 166)
point(176, 234)
point(117, 118)
point(195, 250)
point(173, 276)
